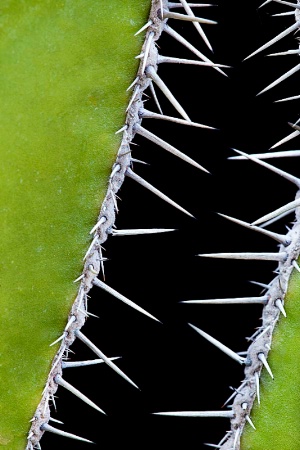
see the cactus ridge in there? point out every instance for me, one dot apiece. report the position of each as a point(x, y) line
point(93, 260)
point(257, 353)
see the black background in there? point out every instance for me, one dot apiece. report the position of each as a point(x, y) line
point(175, 368)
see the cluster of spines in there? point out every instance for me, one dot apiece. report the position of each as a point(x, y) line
point(147, 77)
point(272, 300)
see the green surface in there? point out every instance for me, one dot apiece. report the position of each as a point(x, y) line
point(277, 418)
point(65, 67)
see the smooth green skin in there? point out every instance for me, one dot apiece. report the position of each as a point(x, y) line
point(65, 67)
point(277, 418)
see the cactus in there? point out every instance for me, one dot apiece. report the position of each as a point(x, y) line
point(65, 72)
point(161, 360)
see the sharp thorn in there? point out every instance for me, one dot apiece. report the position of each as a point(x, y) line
point(102, 262)
point(61, 382)
point(295, 264)
point(155, 97)
point(212, 445)
point(121, 297)
point(134, 94)
point(101, 355)
point(225, 414)
point(278, 237)
point(292, 5)
point(155, 191)
point(47, 427)
point(53, 401)
point(287, 99)
point(116, 169)
point(265, 3)
point(87, 313)
point(236, 391)
point(151, 73)
point(192, 5)
point(286, 208)
point(274, 169)
point(145, 114)
point(169, 59)
point(133, 83)
point(286, 139)
point(114, 199)
point(139, 231)
point(70, 321)
point(224, 438)
point(147, 50)
point(193, 49)
point(219, 345)
point(250, 422)
point(269, 222)
point(287, 52)
point(257, 387)
point(275, 39)
point(98, 224)
point(58, 339)
point(72, 364)
point(236, 437)
point(283, 154)
point(57, 360)
point(184, 17)
point(161, 9)
point(288, 13)
point(144, 27)
point(93, 243)
point(51, 419)
point(231, 301)
point(280, 79)
point(263, 285)
point(122, 129)
point(169, 148)
point(198, 27)
point(281, 256)
point(280, 306)
point(79, 278)
point(139, 161)
point(262, 358)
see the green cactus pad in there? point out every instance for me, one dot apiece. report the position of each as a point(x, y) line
point(277, 417)
point(65, 67)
